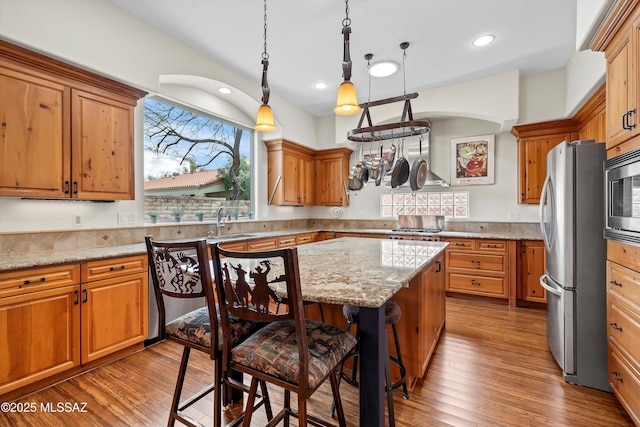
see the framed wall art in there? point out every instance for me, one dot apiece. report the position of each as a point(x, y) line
point(472, 160)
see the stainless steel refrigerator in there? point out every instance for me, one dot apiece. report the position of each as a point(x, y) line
point(572, 223)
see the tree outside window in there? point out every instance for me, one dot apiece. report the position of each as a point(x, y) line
point(196, 161)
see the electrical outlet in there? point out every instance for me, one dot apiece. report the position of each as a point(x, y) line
point(76, 220)
point(126, 218)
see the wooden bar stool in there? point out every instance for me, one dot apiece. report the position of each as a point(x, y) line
point(392, 314)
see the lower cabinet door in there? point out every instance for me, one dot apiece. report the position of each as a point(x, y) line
point(625, 382)
point(39, 335)
point(114, 315)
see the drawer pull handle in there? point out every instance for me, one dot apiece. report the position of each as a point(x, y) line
point(439, 264)
point(615, 326)
point(116, 268)
point(616, 376)
point(40, 280)
point(474, 283)
point(86, 296)
point(614, 283)
point(77, 294)
point(460, 244)
point(492, 246)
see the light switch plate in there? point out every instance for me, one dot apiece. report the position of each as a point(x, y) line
point(76, 220)
point(126, 218)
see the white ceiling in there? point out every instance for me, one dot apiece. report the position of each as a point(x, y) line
point(305, 40)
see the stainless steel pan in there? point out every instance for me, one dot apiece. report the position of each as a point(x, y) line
point(400, 173)
point(418, 172)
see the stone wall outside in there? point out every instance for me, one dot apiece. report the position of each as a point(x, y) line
point(189, 205)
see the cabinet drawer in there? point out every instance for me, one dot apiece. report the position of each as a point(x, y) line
point(625, 382)
point(624, 284)
point(301, 239)
point(493, 286)
point(234, 246)
point(262, 244)
point(38, 279)
point(286, 241)
point(491, 245)
point(476, 262)
point(461, 244)
point(624, 328)
point(114, 267)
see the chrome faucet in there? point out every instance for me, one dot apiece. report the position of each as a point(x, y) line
point(219, 220)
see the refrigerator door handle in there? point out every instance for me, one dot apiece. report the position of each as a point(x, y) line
point(543, 197)
point(549, 288)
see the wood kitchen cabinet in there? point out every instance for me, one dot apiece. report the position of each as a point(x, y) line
point(39, 324)
point(534, 142)
point(619, 38)
point(291, 174)
point(54, 319)
point(478, 267)
point(537, 139)
point(299, 176)
point(623, 319)
point(532, 266)
point(114, 305)
point(422, 322)
point(66, 133)
point(332, 170)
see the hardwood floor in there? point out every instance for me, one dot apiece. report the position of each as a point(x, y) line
point(491, 368)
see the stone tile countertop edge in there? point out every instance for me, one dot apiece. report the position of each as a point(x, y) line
point(47, 258)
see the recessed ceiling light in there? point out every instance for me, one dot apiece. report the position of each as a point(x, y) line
point(483, 40)
point(224, 90)
point(320, 85)
point(383, 68)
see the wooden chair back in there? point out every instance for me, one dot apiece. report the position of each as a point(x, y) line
point(253, 286)
point(181, 270)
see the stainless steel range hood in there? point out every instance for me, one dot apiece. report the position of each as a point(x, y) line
point(413, 152)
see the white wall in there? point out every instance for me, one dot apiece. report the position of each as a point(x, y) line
point(98, 36)
point(491, 203)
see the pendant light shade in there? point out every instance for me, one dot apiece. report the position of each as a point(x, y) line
point(265, 121)
point(347, 102)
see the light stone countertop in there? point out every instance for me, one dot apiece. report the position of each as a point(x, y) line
point(48, 258)
point(360, 271)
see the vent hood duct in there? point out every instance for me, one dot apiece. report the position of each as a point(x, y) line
point(413, 152)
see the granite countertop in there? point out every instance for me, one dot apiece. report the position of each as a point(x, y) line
point(360, 271)
point(47, 258)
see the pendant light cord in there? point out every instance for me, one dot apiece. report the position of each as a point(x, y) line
point(346, 22)
point(404, 73)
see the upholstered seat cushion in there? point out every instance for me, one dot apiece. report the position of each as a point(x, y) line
point(195, 327)
point(392, 313)
point(274, 350)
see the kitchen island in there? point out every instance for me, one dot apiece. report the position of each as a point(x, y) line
point(367, 273)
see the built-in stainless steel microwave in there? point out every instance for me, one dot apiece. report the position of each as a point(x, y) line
point(622, 175)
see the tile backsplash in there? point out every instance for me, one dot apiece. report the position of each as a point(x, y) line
point(453, 204)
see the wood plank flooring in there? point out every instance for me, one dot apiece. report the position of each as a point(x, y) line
point(491, 368)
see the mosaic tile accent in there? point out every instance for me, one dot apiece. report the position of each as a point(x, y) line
point(451, 204)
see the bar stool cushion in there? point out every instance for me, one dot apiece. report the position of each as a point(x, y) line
point(274, 350)
point(195, 327)
point(392, 313)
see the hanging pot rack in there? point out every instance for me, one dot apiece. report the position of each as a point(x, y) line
point(406, 127)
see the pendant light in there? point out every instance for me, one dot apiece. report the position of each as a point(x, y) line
point(347, 103)
point(264, 120)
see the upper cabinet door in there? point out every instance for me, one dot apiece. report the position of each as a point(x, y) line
point(102, 147)
point(34, 144)
point(619, 90)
